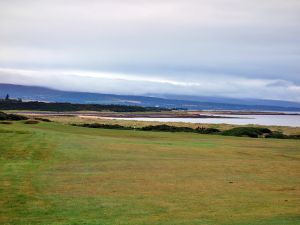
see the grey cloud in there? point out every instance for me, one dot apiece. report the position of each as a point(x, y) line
point(120, 83)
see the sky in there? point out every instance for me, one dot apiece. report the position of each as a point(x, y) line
point(231, 48)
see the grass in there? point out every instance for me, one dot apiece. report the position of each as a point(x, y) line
point(54, 173)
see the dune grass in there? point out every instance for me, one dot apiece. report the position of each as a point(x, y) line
point(54, 173)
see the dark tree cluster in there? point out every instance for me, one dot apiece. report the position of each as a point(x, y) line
point(64, 107)
point(7, 99)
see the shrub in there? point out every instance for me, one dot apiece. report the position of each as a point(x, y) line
point(276, 134)
point(31, 122)
point(280, 135)
point(5, 122)
point(105, 126)
point(167, 128)
point(5, 116)
point(297, 136)
point(42, 119)
point(203, 130)
point(253, 132)
point(16, 117)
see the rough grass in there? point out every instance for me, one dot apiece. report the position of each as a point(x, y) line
point(53, 173)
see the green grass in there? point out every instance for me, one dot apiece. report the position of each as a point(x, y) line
point(53, 173)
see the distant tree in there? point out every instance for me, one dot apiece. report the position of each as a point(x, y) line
point(19, 99)
point(7, 97)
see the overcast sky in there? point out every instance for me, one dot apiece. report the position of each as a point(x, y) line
point(235, 48)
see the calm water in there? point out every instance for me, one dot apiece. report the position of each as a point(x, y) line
point(275, 120)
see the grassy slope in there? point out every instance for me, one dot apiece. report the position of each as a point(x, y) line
point(52, 173)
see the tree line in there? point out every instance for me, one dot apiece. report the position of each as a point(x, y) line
point(12, 104)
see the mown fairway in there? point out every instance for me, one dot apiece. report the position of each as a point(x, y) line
point(52, 173)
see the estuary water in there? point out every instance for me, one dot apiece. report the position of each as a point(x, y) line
point(268, 120)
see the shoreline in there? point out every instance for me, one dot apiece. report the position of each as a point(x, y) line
point(252, 118)
point(173, 114)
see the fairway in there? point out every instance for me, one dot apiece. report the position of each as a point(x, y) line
point(55, 173)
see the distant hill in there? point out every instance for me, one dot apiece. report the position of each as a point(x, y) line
point(226, 100)
point(30, 93)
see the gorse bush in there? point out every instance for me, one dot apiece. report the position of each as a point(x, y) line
point(204, 130)
point(5, 116)
point(31, 122)
point(42, 119)
point(167, 128)
point(253, 132)
point(276, 134)
point(16, 117)
point(6, 122)
point(105, 126)
point(296, 136)
point(162, 127)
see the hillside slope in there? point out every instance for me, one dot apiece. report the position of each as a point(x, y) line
point(187, 102)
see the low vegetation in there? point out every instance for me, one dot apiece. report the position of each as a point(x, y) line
point(42, 119)
point(162, 128)
point(105, 126)
point(253, 132)
point(31, 122)
point(167, 128)
point(280, 135)
point(5, 116)
point(207, 130)
point(6, 122)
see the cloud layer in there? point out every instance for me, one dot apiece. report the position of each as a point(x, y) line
point(107, 82)
point(215, 47)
